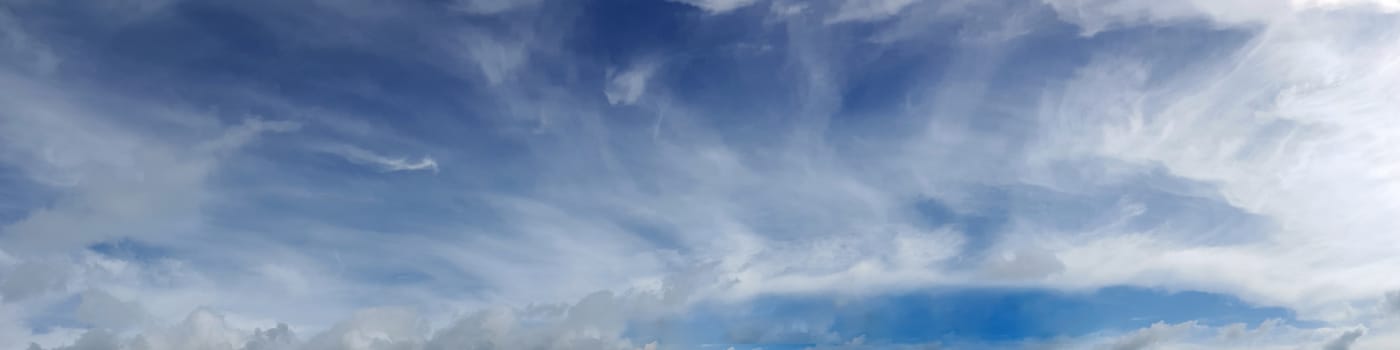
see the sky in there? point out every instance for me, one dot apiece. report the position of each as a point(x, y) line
point(699, 174)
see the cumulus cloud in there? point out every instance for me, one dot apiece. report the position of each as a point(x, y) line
point(596, 322)
point(1150, 337)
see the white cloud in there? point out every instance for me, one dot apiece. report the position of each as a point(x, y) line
point(116, 181)
point(1097, 15)
point(488, 7)
point(868, 10)
point(1150, 337)
point(1294, 125)
point(718, 6)
point(365, 157)
point(626, 86)
point(497, 59)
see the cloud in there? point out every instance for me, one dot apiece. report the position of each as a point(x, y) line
point(1277, 130)
point(30, 279)
point(1097, 15)
point(1390, 304)
point(102, 310)
point(93, 340)
point(497, 59)
point(868, 10)
point(25, 50)
point(1150, 337)
point(1024, 264)
point(1344, 341)
point(487, 7)
point(277, 338)
point(718, 6)
point(117, 181)
point(1241, 147)
point(597, 322)
point(365, 157)
point(628, 85)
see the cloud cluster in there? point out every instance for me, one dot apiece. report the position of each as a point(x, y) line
point(595, 322)
point(752, 148)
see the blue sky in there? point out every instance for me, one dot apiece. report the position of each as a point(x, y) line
point(699, 174)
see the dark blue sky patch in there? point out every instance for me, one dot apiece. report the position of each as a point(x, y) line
point(952, 316)
point(22, 195)
point(63, 314)
point(131, 250)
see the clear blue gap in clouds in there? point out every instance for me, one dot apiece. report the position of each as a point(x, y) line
point(22, 194)
point(949, 316)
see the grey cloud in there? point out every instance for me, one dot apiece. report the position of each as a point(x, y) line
point(102, 310)
point(377, 329)
point(1150, 337)
point(1390, 304)
point(30, 278)
point(97, 339)
point(277, 338)
point(1029, 263)
point(595, 322)
point(1344, 341)
point(25, 50)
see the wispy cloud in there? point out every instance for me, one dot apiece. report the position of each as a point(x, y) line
point(718, 6)
point(365, 157)
point(626, 86)
point(618, 179)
